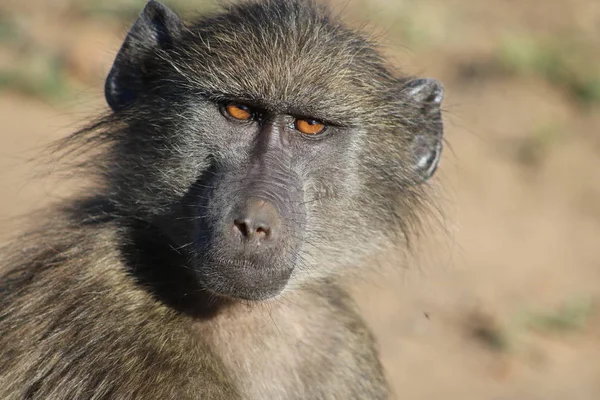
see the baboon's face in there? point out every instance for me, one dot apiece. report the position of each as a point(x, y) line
point(269, 143)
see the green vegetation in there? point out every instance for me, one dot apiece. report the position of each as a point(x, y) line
point(410, 21)
point(126, 10)
point(9, 32)
point(570, 316)
point(507, 336)
point(560, 62)
point(532, 150)
point(37, 72)
point(493, 337)
point(50, 85)
point(489, 332)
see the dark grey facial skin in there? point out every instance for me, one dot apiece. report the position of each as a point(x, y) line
point(264, 201)
point(249, 245)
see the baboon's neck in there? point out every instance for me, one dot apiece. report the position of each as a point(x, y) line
point(284, 340)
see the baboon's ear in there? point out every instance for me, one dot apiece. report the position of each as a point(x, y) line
point(424, 96)
point(156, 27)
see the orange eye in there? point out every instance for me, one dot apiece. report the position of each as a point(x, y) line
point(309, 126)
point(238, 112)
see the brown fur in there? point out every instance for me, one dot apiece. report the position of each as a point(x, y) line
point(76, 326)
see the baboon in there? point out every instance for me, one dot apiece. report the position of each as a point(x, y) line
point(245, 161)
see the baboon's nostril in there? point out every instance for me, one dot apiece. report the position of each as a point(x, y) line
point(257, 220)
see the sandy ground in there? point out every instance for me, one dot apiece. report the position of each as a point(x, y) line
point(502, 303)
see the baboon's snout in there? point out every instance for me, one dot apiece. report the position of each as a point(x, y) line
point(256, 223)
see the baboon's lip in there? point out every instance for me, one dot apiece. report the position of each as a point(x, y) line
point(244, 279)
point(243, 264)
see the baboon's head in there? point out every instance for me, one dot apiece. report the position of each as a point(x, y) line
point(269, 143)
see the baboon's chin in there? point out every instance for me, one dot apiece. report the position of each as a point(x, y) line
point(244, 281)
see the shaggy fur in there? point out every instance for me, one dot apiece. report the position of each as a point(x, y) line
point(102, 300)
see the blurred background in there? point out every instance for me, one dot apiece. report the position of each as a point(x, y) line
point(504, 303)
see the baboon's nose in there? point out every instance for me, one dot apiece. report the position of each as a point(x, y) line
point(257, 221)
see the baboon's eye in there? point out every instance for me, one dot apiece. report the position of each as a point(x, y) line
point(309, 126)
point(238, 111)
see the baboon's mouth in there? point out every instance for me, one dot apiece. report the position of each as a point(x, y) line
point(243, 279)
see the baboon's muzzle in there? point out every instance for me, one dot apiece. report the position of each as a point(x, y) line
point(252, 247)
